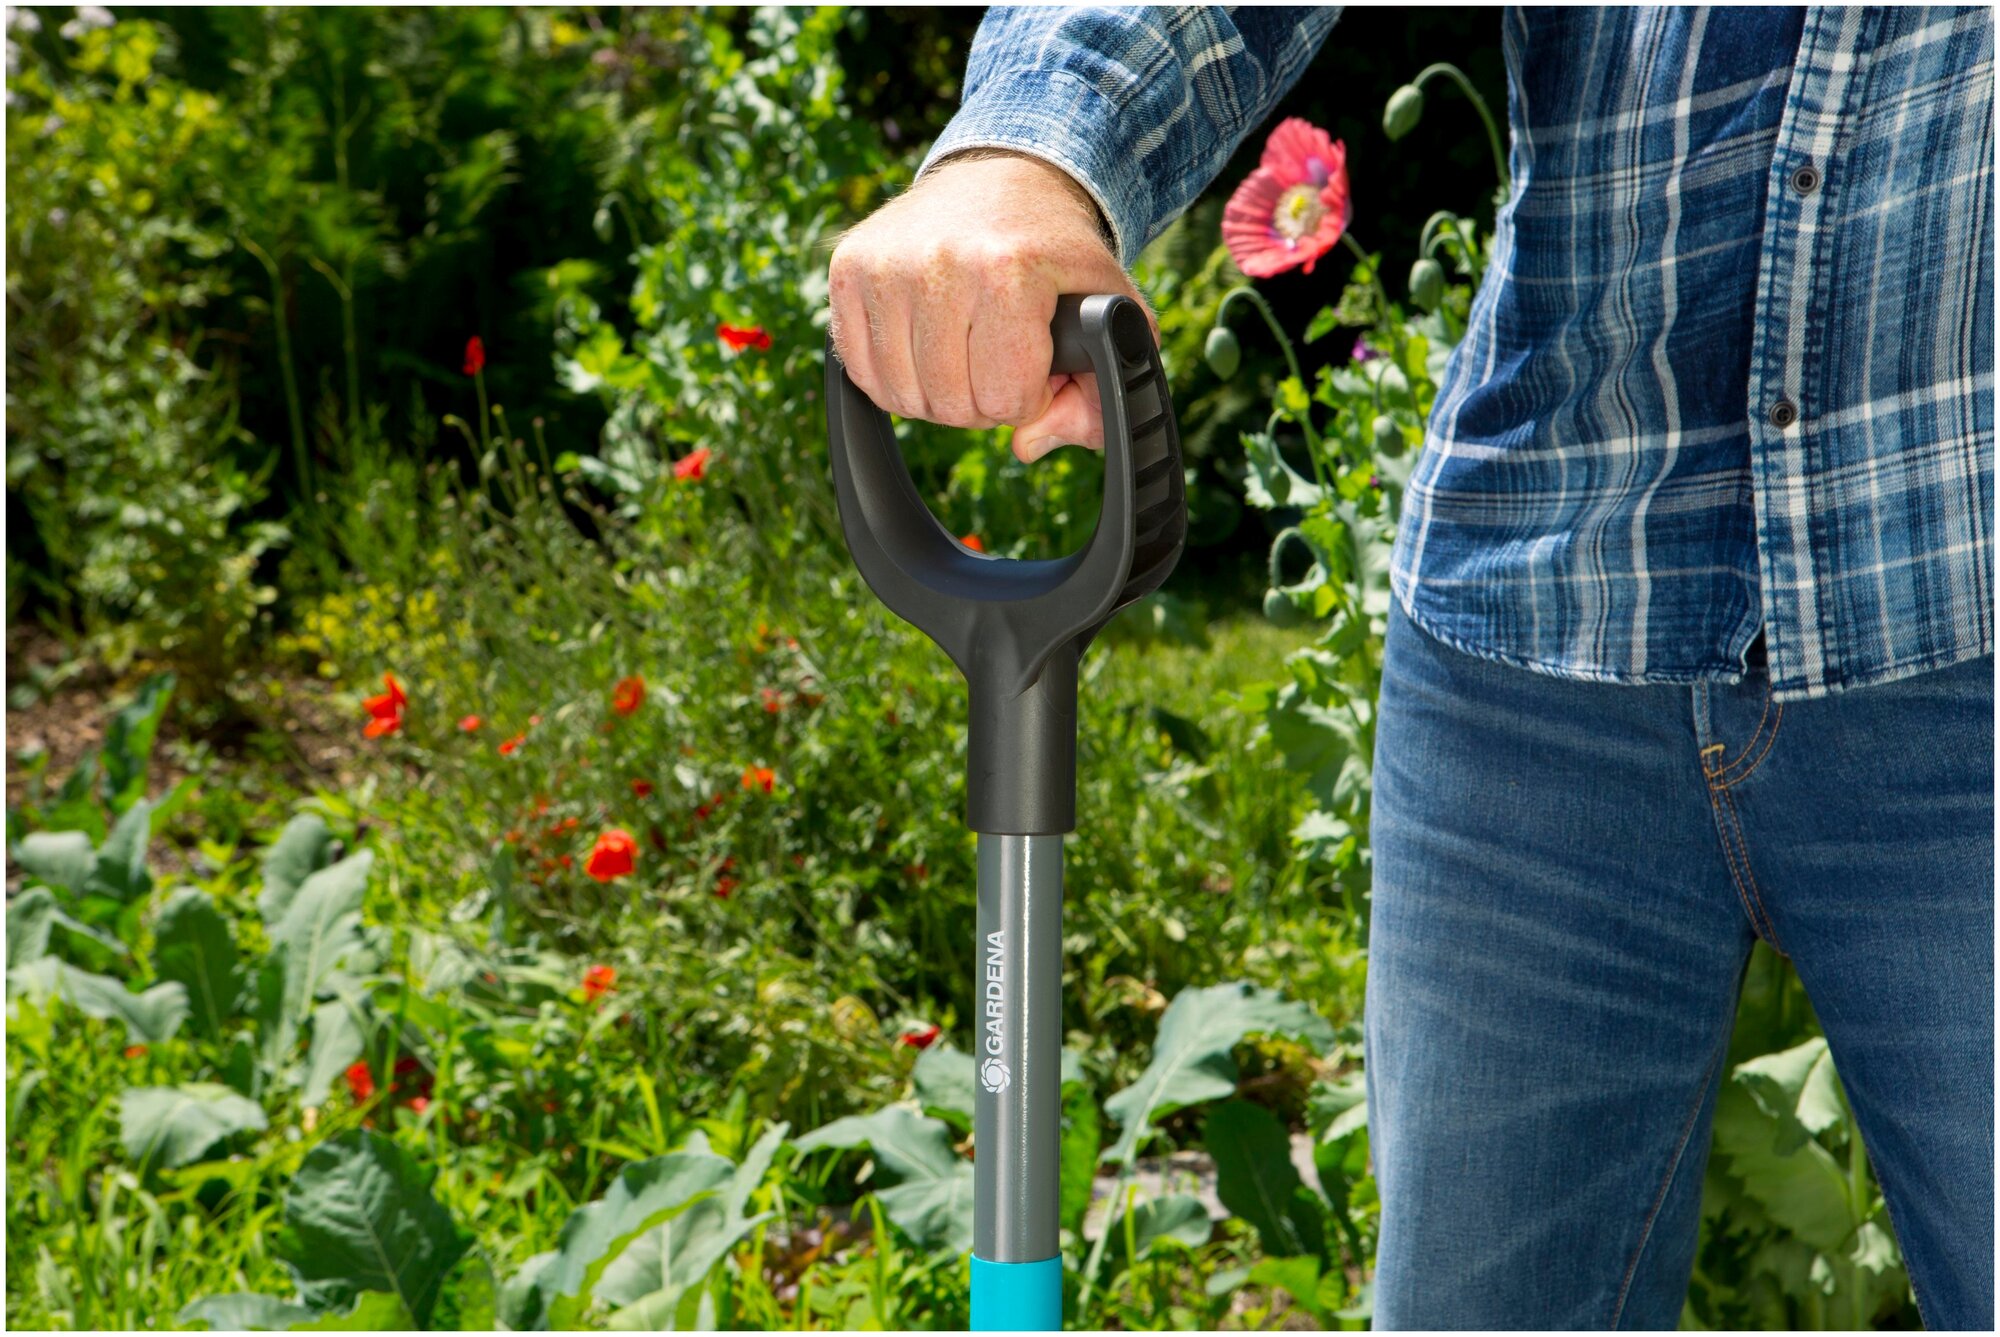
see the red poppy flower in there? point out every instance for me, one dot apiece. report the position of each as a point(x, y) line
point(642, 789)
point(774, 700)
point(611, 857)
point(744, 336)
point(693, 465)
point(360, 1081)
point(513, 745)
point(475, 356)
point(1293, 208)
point(598, 981)
point(418, 1104)
point(469, 724)
point(725, 886)
point(920, 1037)
point(628, 695)
point(754, 776)
point(973, 542)
point(385, 711)
point(135, 1051)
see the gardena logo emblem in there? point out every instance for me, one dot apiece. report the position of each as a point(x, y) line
point(993, 1074)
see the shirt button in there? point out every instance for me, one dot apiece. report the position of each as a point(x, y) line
point(1805, 180)
point(1784, 413)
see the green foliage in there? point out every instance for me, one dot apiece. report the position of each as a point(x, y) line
point(389, 1056)
point(1192, 1060)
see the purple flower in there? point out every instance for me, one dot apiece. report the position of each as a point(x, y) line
point(1362, 352)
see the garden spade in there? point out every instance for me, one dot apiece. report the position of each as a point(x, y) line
point(1016, 630)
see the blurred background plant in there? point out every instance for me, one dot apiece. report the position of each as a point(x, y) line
point(455, 770)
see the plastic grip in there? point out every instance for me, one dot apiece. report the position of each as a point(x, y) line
point(1016, 1297)
point(1016, 629)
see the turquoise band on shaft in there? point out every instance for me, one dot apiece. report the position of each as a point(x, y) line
point(1017, 1297)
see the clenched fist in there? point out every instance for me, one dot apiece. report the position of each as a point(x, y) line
point(942, 300)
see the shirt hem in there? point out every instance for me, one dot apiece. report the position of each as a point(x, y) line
point(1672, 677)
point(1678, 677)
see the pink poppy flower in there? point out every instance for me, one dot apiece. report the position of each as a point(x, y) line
point(1294, 207)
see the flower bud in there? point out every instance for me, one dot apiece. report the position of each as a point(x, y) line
point(1405, 109)
point(1278, 607)
point(1222, 353)
point(1388, 436)
point(1427, 283)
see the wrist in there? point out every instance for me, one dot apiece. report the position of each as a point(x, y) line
point(1011, 169)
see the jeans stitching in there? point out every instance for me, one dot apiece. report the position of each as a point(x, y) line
point(1713, 771)
point(1724, 779)
point(1729, 857)
point(1667, 1181)
point(1762, 916)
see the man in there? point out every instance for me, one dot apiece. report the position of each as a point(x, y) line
point(1694, 614)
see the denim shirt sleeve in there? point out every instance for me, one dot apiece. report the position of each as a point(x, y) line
point(1143, 106)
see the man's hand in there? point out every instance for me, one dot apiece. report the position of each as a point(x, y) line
point(942, 299)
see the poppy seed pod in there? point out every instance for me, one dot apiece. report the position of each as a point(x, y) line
point(1222, 353)
point(1427, 283)
point(1280, 609)
point(1404, 110)
point(1388, 436)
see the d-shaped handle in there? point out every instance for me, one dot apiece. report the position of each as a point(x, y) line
point(1016, 629)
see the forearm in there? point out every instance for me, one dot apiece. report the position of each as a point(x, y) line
point(1141, 107)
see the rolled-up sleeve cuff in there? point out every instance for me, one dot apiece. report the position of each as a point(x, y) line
point(1056, 117)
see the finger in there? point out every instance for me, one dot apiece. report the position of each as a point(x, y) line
point(1009, 346)
point(849, 329)
point(889, 333)
point(1074, 417)
point(941, 352)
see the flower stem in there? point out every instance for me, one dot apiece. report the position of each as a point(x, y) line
point(1256, 299)
point(1457, 76)
point(485, 435)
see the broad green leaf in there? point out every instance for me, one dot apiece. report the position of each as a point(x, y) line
point(1796, 1085)
point(150, 1017)
point(58, 858)
point(1255, 1178)
point(650, 1275)
point(338, 1038)
point(31, 916)
point(120, 867)
point(945, 1082)
point(1177, 1218)
point(174, 1126)
point(359, 1217)
point(1799, 1184)
point(1192, 1059)
point(929, 1192)
point(320, 927)
point(373, 1311)
point(192, 945)
point(302, 849)
point(1297, 1277)
point(520, 1304)
point(644, 1195)
point(1270, 483)
point(128, 741)
point(749, 1176)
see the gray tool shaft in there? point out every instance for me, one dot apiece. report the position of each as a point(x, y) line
point(1017, 1097)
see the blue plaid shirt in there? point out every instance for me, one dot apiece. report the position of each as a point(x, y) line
point(1732, 368)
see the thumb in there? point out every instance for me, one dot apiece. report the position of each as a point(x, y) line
point(1074, 417)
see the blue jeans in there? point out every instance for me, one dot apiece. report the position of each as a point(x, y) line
point(1569, 878)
